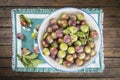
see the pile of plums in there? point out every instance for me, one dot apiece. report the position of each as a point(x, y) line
point(69, 40)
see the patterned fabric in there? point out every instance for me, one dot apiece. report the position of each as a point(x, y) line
point(37, 16)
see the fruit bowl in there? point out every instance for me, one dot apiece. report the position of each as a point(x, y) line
point(93, 26)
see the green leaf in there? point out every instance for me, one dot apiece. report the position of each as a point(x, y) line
point(35, 62)
point(83, 41)
point(80, 34)
point(19, 57)
point(31, 56)
point(25, 60)
point(87, 34)
point(21, 16)
point(28, 20)
point(90, 39)
point(30, 65)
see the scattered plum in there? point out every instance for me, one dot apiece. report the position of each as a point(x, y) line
point(20, 36)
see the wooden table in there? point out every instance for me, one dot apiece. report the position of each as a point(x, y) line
point(111, 35)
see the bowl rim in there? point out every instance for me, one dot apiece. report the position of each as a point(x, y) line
point(100, 46)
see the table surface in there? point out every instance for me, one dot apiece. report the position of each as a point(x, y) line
point(111, 34)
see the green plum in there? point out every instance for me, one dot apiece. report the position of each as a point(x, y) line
point(73, 29)
point(93, 34)
point(45, 35)
point(74, 38)
point(71, 50)
point(69, 58)
point(93, 52)
point(92, 44)
point(53, 34)
point(79, 62)
point(54, 44)
point(81, 55)
point(49, 39)
point(61, 54)
point(80, 16)
point(64, 16)
point(84, 28)
point(59, 60)
point(74, 55)
point(87, 57)
point(46, 52)
point(77, 43)
point(63, 46)
point(87, 49)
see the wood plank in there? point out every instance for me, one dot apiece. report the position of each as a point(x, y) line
point(5, 22)
point(5, 62)
point(111, 22)
point(108, 72)
point(5, 51)
point(6, 33)
point(59, 78)
point(112, 52)
point(111, 32)
point(112, 40)
point(111, 45)
point(112, 62)
point(108, 11)
point(59, 3)
point(109, 62)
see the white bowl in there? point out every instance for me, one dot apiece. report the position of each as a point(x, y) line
point(93, 25)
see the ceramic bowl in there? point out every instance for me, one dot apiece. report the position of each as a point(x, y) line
point(93, 25)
